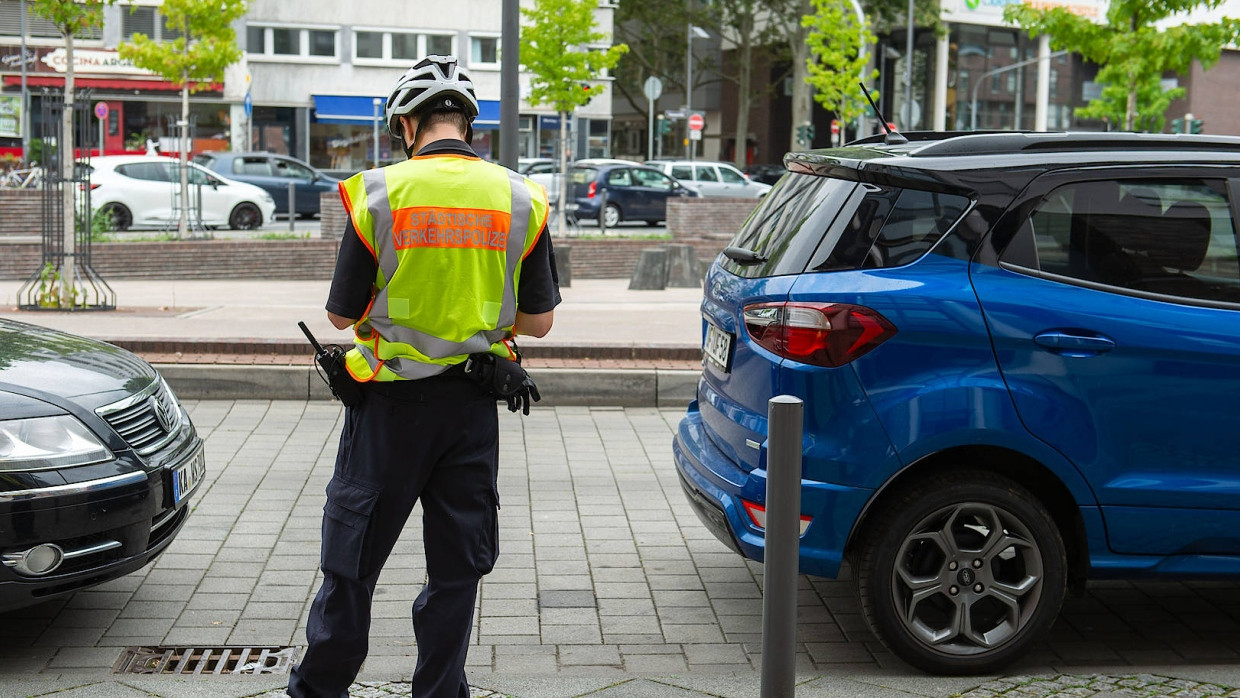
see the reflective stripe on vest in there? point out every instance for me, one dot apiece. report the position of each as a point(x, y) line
point(379, 336)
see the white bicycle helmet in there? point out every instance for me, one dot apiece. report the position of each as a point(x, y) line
point(437, 83)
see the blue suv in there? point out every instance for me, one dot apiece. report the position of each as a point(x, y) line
point(1019, 356)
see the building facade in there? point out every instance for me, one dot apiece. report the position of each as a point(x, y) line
point(307, 83)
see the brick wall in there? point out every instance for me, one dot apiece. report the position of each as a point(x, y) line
point(332, 216)
point(711, 217)
point(20, 212)
point(302, 259)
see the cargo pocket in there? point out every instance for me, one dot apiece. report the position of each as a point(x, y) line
point(346, 518)
point(488, 536)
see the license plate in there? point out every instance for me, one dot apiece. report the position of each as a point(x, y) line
point(718, 347)
point(187, 475)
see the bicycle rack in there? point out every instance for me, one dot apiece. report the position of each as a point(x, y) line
point(42, 290)
point(195, 228)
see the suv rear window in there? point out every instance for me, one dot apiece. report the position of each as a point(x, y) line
point(826, 224)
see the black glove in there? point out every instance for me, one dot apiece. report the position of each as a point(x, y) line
point(505, 379)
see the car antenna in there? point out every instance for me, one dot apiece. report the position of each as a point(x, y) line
point(891, 137)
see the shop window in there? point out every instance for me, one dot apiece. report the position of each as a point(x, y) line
point(483, 50)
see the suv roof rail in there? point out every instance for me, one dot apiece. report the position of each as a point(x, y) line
point(1025, 141)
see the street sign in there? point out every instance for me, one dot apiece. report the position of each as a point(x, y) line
point(695, 135)
point(248, 104)
point(653, 88)
point(675, 114)
point(101, 110)
point(696, 122)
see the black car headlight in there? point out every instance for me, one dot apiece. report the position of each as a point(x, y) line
point(41, 443)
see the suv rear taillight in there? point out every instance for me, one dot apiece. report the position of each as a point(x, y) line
point(592, 190)
point(823, 334)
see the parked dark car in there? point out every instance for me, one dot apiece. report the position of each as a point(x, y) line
point(274, 173)
point(633, 193)
point(1019, 356)
point(98, 462)
point(766, 174)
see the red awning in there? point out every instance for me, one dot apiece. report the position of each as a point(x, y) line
point(103, 83)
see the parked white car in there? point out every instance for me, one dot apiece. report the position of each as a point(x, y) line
point(143, 191)
point(711, 178)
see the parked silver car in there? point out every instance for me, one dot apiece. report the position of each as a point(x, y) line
point(711, 178)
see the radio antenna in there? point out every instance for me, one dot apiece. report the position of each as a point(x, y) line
point(891, 137)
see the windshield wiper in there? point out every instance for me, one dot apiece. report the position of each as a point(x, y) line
point(740, 255)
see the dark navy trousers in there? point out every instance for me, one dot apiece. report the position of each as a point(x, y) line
point(435, 440)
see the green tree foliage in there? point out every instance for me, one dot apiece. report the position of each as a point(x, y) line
point(838, 62)
point(654, 31)
point(560, 47)
point(556, 50)
point(206, 46)
point(1133, 51)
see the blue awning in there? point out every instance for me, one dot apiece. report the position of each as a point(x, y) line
point(346, 109)
point(360, 111)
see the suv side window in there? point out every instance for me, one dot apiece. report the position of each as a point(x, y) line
point(682, 172)
point(705, 173)
point(1165, 237)
point(917, 221)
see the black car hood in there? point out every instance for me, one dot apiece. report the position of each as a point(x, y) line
point(45, 363)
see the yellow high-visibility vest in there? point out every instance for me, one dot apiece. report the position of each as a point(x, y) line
point(448, 233)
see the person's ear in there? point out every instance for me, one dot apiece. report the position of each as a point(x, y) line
point(410, 127)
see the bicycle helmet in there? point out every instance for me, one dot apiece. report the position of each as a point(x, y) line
point(436, 83)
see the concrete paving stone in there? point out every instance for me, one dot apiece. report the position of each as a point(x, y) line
point(508, 591)
point(604, 561)
point(226, 585)
point(523, 575)
point(654, 664)
point(207, 618)
point(293, 578)
point(265, 631)
point(151, 628)
point(630, 625)
point(185, 561)
point(568, 616)
point(700, 632)
point(86, 657)
point(668, 582)
point(626, 607)
point(572, 634)
point(250, 570)
point(129, 583)
point(671, 598)
point(687, 615)
point(102, 690)
point(207, 601)
point(553, 553)
point(188, 636)
point(393, 627)
point(282, 594)
point(622, 590)
point(571, 597)
point(521, 625)
point(70, 637)
point(590, 655)
point(611, 548)
point(94, 599)
point(557, 540)
point(85, 618)
point(509, 607)
point(525, 664)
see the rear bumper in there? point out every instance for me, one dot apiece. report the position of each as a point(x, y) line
point(715, 486)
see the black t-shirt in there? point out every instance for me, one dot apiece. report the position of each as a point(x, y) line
point(356, 269)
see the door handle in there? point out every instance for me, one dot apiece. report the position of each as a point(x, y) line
point(1069, 344)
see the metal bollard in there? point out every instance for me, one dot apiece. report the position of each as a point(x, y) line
point(783, 542)
point(292, 206)
point(602, 210)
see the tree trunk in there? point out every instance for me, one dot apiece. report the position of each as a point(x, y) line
point(563, 193)
point(1130, 109)
point(744, 101)
point(183, 225)
point(802, 99)
point(69, 263)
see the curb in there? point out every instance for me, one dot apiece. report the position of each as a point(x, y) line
point(622, 387)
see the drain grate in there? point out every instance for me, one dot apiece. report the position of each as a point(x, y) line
point(205, 660)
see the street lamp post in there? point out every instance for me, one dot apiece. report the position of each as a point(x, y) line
point(25, 118)
point(996, 71)
point(908, 70)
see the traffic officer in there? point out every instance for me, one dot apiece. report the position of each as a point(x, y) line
point(445, 256)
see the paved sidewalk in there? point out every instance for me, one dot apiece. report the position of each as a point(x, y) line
point(607, 585)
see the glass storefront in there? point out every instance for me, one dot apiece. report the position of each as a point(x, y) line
point(347, 146)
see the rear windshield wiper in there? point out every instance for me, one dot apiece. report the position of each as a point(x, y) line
point(740, 255)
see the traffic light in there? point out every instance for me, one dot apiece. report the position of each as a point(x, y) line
point(1177, 126)
point(585, 89)
point(665, 127)
point(805, 134)
point(1195, 126)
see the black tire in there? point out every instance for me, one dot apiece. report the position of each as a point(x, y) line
point(931, 553)
point(245, 216)
point(610, 216)
point(122, 218)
